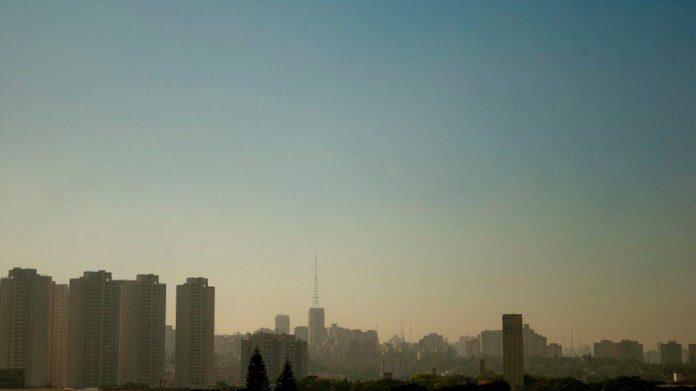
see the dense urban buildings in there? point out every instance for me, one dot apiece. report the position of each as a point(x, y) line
point(101, 332)
point(624, 350)
point(275, 349)
point(25, 311)
point(142, 331)
point(513, 351)
point(282, 324)
point(195, 323)
point(94, 326)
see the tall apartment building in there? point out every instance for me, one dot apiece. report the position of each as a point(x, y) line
point(275, 350)
point(195, 324)
point(282, 324)
point(491, 343)
point(25, 312)
point(670, 353)
point(692, 354)
point(93, 338)
point(141, 331)
point(513, 351)
point(534, 344)
point(58, 348)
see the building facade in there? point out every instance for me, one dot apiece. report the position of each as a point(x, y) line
point(195, 325)
point(513, 351)
point(141, 331)
point(93, 330)
point(25, 313)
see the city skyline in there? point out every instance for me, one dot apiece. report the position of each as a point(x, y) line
point(567, 347)
point(448, 162)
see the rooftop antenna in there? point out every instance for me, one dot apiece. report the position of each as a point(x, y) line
point(315, 301)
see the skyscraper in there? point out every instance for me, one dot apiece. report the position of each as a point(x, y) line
point(195, 325)
point(282, 324)
point(513, 351)
point(93, 335)
point(58, 353)
point(141, 331)
point(316, 323)
point(25, 311)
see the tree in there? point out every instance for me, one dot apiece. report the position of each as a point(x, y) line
point(256, 378)
point(286, 380)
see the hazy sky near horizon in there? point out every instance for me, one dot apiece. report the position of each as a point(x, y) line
point(448, 161)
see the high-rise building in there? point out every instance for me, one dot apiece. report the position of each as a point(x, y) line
point(670, 353)
point(25, 313)
point(93, 330)
point(58, 353)
point(317, 327)
point(282, 324)
point(195, 325)
point(141, 331)
point(316, 323)
point(492, 343)
point(275, 350)
point(692, 354)
point(302, 333)
point(513, 351)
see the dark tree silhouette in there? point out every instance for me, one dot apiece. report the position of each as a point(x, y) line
point(256, 378)
point(286, 380)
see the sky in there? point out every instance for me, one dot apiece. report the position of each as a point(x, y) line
point(447, 161)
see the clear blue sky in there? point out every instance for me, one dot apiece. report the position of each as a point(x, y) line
point(449, 161)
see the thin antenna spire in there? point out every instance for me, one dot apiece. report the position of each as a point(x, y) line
point(315, 301)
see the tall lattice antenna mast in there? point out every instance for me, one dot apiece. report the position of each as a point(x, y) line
point(315, 302)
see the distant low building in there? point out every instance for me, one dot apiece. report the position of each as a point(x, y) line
point(302, 333)
point(554, 350)
point(275, 350)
